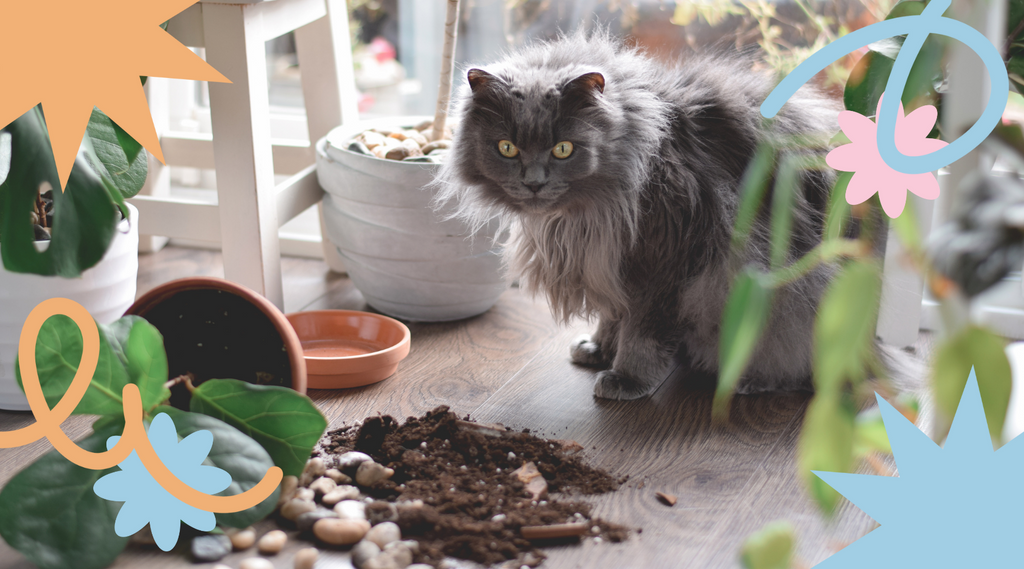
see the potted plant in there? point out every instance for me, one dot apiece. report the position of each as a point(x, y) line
point(81, 243)
point(408, 260)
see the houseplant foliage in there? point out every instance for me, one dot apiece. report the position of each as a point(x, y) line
point(969, 254)
point(253, 427)
point(110, 167)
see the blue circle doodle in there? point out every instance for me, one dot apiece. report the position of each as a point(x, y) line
point(917, 28)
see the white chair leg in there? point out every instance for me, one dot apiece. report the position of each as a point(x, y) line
point(158, 182)
point(328, 86)
point(242, 147)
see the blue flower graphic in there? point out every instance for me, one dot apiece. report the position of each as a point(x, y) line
point(146, 502)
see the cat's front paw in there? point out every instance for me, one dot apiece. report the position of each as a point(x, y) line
point(614, 385)
point(585, 351)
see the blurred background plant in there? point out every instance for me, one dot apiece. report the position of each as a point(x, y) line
point(978, 244)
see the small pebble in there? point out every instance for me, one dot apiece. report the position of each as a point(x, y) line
point(350, 510)
point(416, 137)
point(498, 518)
point(306, 558)
point(384, 533)
point(371, 139)
point(398, 135)
point(398, 153)
point(341, 493)
point(220, 566)
point(595, 529)
point(305, 521)
point(370, 473)
point(243, 539)
point(380, 151)
point(364, 551)
point(359, 148)
point(295, 508)
point(338, 476)
point(421, 566)
point(210, 547)
point(352, 460)
point(272, 542)
point(289, 484)
point(305, 494)
point(436, 145)
point(323, 485)
point(255, 563)
point(511, 455)
point(336, 531)
point(598, 539)
point(314, 469)
point(423, 445)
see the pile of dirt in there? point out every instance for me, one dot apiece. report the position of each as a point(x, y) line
point(464, 490)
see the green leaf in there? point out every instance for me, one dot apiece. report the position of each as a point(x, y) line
point(58, 353)
point(147, 362)
point(870, 434)
point(771, 547)
point(838, 217)
point(844, 331)
point(867, 83)
point(984, 350)
point(243, 458)
point(782, 210)
point(755, 183)
point(826, 444)
point(284, 421)
point(131, 350)
point(53, 517)
point(117, 156)
point(84, 215)
point(743, 320)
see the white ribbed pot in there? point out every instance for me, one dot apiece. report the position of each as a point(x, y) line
point(105, 290)
point(406, 259)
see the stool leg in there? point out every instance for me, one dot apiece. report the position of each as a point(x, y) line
point(158, 182)
point(240, 113)
point(328, 86)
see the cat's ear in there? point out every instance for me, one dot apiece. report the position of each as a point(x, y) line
point(480, 79)
point(590, 83)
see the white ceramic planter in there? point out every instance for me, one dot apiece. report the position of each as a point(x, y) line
point(406, 259)
point(106, 291)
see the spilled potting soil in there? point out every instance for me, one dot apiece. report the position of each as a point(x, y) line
point(463, 490)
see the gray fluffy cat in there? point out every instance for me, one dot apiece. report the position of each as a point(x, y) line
point(619, 179)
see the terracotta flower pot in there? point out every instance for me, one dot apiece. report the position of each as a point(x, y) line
point(214, 328)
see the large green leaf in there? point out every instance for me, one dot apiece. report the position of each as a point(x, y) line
point(131, 350)
point(844, 330)
point(984, 350)
point(84, 215)
point(53, 517)
point(771, 547)
point(117, 156)
point(826, 444)
point(240, 456)
point(285, 422)
point(743, 320)
point(786, 185)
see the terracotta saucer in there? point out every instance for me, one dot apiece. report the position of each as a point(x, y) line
point(348, 348)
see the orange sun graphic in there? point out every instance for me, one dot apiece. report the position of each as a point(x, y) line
point(72, 55)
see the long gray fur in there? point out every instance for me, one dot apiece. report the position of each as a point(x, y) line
point(634, 227)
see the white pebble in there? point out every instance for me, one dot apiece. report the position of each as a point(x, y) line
point(498, 518)
point(384, 533)
point(598, 539)
point(243, 539)
point(272, 542)
point(370, 473)
point(595, 529)
point(423, 445)
point(295, 508)
point(339, 494)
point(364, 551)
point(498, 470)
point(323, 485)
point(255, 563)
point(350, 510)
point(463, 467)
point(306, 558)
point(511, 455)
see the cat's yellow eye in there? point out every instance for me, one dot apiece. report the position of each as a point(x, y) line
point(507, 149)
point(562, 149)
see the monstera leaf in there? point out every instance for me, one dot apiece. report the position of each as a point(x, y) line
point(108, 169)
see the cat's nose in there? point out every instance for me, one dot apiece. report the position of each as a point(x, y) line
point(535, 188)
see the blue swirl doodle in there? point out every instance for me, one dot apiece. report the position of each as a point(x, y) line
point(917, 29)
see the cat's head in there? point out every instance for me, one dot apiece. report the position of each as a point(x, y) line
point(533, 143)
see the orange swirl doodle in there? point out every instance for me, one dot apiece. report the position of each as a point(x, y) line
point(48, 420)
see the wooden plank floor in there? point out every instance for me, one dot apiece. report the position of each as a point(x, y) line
point(511, 366)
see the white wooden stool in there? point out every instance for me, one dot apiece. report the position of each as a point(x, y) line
point(251, 207)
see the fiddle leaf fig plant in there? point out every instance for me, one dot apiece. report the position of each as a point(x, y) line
point(82, 219)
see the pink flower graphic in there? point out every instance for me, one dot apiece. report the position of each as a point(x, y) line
point(871, 173)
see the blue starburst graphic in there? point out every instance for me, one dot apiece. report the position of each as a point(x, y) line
point(958, 506)
point(146, 502)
